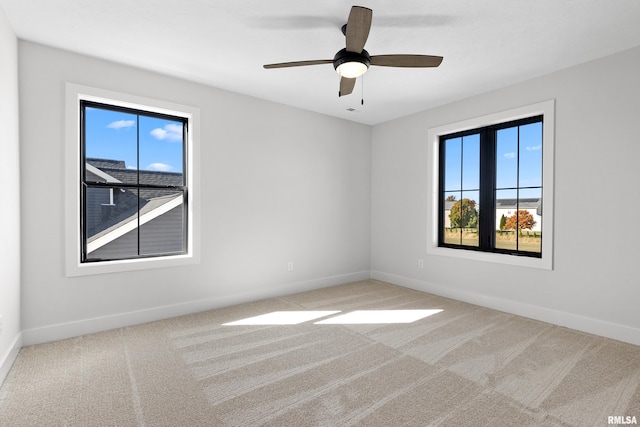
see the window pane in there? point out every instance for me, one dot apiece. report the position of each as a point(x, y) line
point(162, 222)
point(507, 158)
point(161, 151)
point(519, 221)
point(471, 162)
point(469, 218)
point(111, 218)
point(463, 220)
point(506, 207)
point(450, 199)
point(453, 164)
point(530, 237)
point(110, 146)
point(453, 236)
point(531, 155)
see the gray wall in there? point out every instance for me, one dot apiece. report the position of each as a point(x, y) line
point(278, 184)
point(594, 285)
point(10, 207)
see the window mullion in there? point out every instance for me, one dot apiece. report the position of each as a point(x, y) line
point(486, 223)
point(138, 175)
point(518, 192)
point(441, 177)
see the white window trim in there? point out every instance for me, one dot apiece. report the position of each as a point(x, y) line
point(546, 108)
point(74, 94)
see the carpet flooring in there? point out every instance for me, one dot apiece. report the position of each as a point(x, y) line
point(361, 354)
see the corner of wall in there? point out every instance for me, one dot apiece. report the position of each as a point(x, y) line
point(10, 261)
point(560, 318)
point(7, 361)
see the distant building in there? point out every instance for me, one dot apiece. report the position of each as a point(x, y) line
point(506, 207)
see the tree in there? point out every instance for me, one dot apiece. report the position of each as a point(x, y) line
point(464, 214)
point(450, 198)
point(503, 222)
point(522, 218)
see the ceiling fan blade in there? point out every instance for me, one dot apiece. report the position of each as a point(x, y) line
point(346, 86)
point(358, 27)
point(406, 60)
point(298, 63)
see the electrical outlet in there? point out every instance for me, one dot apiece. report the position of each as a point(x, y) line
point(420, 263)
point(290, 266)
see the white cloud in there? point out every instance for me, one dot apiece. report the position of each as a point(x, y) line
point(171, 132)
point(510, 155)
point(535, 148)
point(161, 167)
point(121, 124)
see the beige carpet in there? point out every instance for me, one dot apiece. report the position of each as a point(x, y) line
point(461, 366)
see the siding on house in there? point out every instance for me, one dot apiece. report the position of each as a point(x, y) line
point(163, 234)
point(96, 201)
point(113, 214)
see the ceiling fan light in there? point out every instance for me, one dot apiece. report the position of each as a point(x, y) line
point(352, 69)
point(351, 64)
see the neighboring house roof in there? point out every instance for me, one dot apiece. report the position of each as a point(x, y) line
point(100, 174)
point(146, 177)
point(117, 170)
point(107, 163)
point(525, 203)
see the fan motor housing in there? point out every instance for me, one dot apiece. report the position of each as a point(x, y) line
point(344, 55)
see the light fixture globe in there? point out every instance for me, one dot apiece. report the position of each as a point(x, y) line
point(351, 64)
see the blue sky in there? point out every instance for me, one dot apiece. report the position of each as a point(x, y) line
point(113, 135)
point(529, 150)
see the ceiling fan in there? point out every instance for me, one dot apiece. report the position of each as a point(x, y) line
point(353, 61)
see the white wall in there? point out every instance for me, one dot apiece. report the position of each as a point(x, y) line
point(10, 207)
point(278, 184)
point(594, 285)
point(281, 184)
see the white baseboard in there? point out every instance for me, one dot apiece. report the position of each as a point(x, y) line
point(98, 324)
point(573, 321)
point(87, 326)
point(7, 360)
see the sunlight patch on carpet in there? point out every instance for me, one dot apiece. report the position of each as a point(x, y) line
point(282, 318)
point(378, 317)
point(358, 317)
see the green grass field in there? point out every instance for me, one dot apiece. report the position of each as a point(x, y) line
point(529, 241)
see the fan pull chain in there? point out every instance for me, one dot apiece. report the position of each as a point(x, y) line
point(362, 90)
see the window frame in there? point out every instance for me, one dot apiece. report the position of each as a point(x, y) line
point(75, 94)
point(87, 184)
point(487, 166)
point(545, 261)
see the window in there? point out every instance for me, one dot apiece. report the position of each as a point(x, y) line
point(131, 182)
point(493, 188)
point(134, 194)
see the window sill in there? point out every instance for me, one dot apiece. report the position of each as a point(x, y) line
point(543, 263)
point(105, 267)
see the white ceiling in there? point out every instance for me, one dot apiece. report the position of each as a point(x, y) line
point(224, 43)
